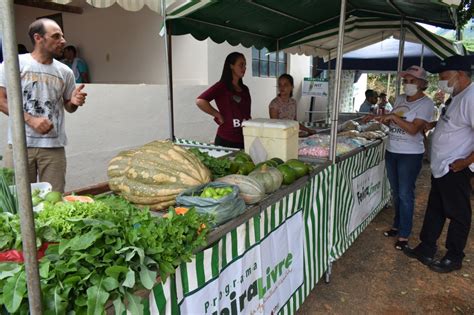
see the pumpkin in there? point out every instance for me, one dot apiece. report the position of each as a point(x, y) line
point(269, 177)
point(154, 174)
point(250, 190)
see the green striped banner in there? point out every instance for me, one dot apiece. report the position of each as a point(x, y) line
point(205, 266)
point(347, 170)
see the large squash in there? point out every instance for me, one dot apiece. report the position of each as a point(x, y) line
point(250, 190)
point(269, 177)
point(154, 174)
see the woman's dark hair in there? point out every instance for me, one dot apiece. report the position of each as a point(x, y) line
point(226, 76)
point(71, 49)
point(290, 79)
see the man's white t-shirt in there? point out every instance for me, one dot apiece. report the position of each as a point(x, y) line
point(44, 90)
point(401, 141)
point(453, 137)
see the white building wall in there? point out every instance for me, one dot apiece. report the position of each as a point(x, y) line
point(120, 46)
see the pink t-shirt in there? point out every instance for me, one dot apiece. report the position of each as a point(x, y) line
point(285, 109)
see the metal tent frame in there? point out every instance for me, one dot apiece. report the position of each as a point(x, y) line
point(172, 22)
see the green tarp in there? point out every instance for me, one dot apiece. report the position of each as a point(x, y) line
point(277, 24)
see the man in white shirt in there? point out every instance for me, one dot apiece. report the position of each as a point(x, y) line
point(48, 89)
point(452, 166)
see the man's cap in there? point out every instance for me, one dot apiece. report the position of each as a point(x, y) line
point(371, 93)
point(454, 63)
point(416, 71)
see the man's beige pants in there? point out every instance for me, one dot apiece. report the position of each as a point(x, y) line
point(44, 164)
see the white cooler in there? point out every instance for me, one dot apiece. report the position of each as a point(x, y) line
point(279, 137)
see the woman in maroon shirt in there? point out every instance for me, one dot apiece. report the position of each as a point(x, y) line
point(232, 98)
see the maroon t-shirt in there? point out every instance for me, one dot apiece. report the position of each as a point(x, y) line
point(234, 107)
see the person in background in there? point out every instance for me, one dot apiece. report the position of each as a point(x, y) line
point(369, 103)
point(233, 102)
point(384, 104)
point(452, 167)
point(78, 66)
point(405, 148)
point(284, 105)
point(48, 89)
point(22, 49)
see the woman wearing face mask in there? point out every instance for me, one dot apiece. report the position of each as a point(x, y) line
point(405, 148)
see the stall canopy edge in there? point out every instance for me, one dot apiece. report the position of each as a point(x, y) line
point(261, 23)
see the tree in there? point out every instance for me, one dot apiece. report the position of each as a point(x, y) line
point(465, 11)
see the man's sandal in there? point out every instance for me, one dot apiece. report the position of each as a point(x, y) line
point(400, 245)
point(390, 233)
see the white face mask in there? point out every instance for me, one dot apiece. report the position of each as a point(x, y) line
point(443, 86)
point(410, 89)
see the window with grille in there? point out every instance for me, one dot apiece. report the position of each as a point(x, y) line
point(264, 63)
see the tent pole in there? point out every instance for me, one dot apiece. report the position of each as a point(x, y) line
point(388, 84)
point(422, 55)
point(169, 70)
point(337, 83)
point(328, 113)
point(334, 119)
point(277, 70)
point(15, 104)
point(401, 48)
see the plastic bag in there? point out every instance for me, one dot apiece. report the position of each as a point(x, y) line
point(14, 255)
point(222, 209)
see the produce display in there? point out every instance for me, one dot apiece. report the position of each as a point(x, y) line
point(351, 135)
point(220, 201)
point(98, 252)
point(154, 174)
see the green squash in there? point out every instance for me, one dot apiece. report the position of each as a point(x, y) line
point(278, 160)
point(250, 190)
point(269, 177)
point(298, 166)
point(289, 175)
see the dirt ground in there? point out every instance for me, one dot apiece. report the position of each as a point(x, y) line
point(374, 278)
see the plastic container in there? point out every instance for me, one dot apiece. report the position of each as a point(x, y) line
point(279, 137)
point(44, 189)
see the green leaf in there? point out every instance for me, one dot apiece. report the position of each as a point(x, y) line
point(82, 242)
point(119, 306)
point(57, 304)
point(8, 270)
point(134, 305)
point(44, 269)
point(15, 291)
point(96, 299)
point(147, 277)
point(110, 284)
point(115, 271)
point(71, 280)
point(129, 281)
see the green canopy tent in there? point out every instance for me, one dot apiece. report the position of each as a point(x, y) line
point(362, 32)
point(279, 25)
